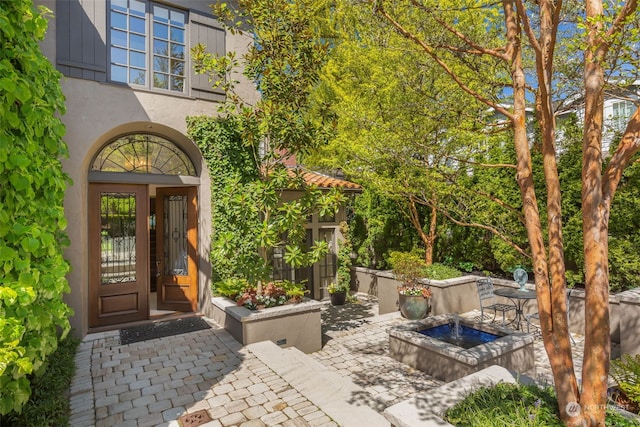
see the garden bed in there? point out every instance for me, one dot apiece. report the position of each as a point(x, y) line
point(291, 325)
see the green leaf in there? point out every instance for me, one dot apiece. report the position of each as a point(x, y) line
point(19, 160)
point(6, 253)
point(25, 366)
point(20, 182)
point(22, 92)
point(8, 295)
point(22, 264)
point(20, 229)
point(6, 84)
point(30, 244)
point(26, 293)
point(6, 402)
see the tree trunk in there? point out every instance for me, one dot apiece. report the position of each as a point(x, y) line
point(431, 238)
point(427, 239)
point(551, 295)
point(595, 218)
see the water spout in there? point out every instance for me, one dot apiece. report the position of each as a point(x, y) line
point(455, 327)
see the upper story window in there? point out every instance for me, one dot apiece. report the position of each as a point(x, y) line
point(147, 45)
point(620, 114)
point(141, 43)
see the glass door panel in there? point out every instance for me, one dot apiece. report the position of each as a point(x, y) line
point(176, 216)
point(118, 254)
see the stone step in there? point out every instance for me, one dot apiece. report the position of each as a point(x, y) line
point(334, 394)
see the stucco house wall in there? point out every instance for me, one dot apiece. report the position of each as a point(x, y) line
point(100, 111)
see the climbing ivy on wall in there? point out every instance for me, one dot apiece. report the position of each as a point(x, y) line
point(231, 167)
point(32, 268)
point(250, 215)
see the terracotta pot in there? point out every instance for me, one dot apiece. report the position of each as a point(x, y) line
point(338, 298)
point(413, 307)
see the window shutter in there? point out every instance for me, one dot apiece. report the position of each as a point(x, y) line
point(207, 31)
point(81, 28)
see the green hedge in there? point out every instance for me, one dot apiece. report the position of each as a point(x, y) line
point(32, 268)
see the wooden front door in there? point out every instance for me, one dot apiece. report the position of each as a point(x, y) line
point(118, 254)
point(177, 238)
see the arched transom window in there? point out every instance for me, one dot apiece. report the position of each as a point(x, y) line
point(143, 153)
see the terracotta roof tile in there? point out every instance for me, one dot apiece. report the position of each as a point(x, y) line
point(325, 181)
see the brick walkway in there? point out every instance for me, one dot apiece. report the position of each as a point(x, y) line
point(156, 382)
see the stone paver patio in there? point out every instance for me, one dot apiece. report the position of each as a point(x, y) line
point(155, 382)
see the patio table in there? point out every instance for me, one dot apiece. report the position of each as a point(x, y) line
point(519, 298)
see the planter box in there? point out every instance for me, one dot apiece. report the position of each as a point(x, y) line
point(292, 325)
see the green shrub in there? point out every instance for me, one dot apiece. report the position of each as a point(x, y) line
point(293, 291)
point(408, 267)
point(467, 266)
point(505, 256)
point(231, 287)
point(32, 267)
point(49, 403)
point(624, 264)
point(377, 228)
point(512, 405)
point(437, 271)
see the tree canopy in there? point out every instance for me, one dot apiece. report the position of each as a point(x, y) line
point(518, 60)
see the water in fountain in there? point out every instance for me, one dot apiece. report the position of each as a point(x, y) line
point(457, 334)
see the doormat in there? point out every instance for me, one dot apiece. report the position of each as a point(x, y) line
point(162, 329)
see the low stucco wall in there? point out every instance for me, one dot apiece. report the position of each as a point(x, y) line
point(293, 325)
point(629, 302)
point(460, 295)
point(457, 295)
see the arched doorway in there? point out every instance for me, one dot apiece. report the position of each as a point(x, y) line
point(142, 230)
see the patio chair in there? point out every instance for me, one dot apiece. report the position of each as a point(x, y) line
point(536, 316)
point(488, 300)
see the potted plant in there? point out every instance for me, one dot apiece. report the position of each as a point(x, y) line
point(337, 293)
point(413, 295)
